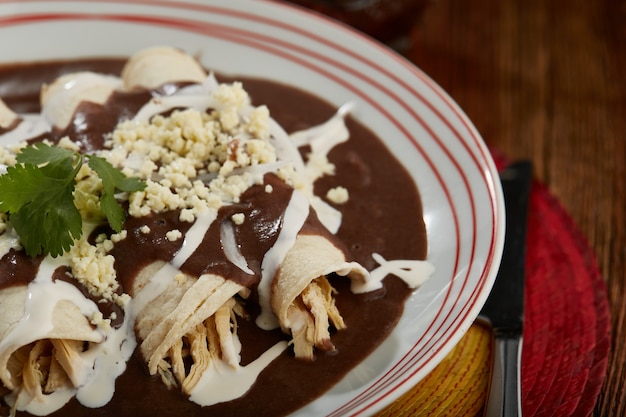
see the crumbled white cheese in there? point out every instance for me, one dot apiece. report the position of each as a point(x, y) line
point(232, 95)
point(190, 142)
point(173, 235)
point(93, 267)
point(117, 237)
point(186, 215)
point(7, 157)
point(338, 195)
point(258, 122)
point(87, 193)
point(8, 153)
point(98, 320)
point(121, 300)
point(238, 218)
point(145, 229)
point(107, 245)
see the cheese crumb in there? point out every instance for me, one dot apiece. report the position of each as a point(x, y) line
point(87, 193)
point(7, 158)
point(173, 235)
point(238, 218)
point(338, 195)
point(98, 320)
point(118, 237)
point(66, 143)
point(121, 300)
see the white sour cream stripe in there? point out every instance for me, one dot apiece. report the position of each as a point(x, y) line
point(295, 215)
point(222, 382)
point(412, 272)
point(31, 125)
point(231, 249)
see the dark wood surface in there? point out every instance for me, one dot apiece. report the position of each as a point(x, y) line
point(546, 80)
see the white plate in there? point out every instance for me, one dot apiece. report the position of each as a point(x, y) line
point(424, 128)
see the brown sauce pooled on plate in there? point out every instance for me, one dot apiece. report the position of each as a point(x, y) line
point(383, 215)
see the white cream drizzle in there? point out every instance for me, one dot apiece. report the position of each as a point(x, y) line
point(221, 382)
point(231, 249)
point(295, 215)
point(162, 104)
point(329, 216)
point(109, 361)
point(31, 125)
point(412, 272)
point(284, 147)
point(324, 137)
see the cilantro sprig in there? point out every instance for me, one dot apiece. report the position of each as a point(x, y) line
point(38, 195)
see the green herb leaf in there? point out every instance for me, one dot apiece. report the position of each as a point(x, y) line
point(113, 180)
point(41, 207)
point(37, 194)
point(44, 154)
point(113, 211)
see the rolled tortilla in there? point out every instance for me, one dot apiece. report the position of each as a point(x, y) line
point(40, 348)
point(303, 299)
point(152, 67)
point(60, 99)
point(190, 318)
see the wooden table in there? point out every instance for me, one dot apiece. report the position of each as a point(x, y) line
point(546, 80)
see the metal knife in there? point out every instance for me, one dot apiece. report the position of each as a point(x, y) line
point(504, 309)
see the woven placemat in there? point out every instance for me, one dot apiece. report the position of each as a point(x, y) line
point(566, 333)
point(457, 386)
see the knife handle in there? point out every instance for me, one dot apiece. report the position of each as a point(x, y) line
point(504, 398)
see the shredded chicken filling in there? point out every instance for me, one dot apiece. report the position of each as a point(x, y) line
point(214, 339)
point(45, 366)
point(312, 314)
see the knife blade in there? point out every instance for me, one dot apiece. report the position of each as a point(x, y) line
point(504, 308)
